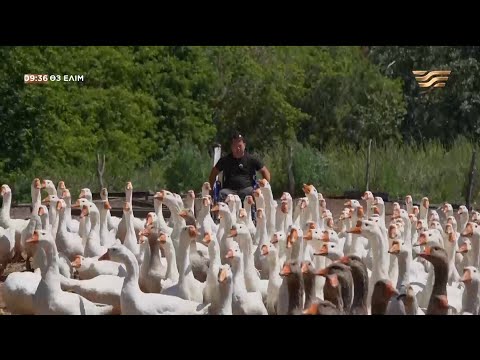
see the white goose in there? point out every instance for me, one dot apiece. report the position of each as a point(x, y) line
point(138, 224)
point(72, 224)
point(158, 206)
point(135, 302)
point(270, 205)
point(68, 243)
point(88, 268)
point(155, 270)
point(274, 280)
point(225, 290)
point(7, 222)
point(188, 287)
point(35, 190)
point(49, 298)
point(261, 239)
point(243, 302)
point(211, 291)
point(112, 221)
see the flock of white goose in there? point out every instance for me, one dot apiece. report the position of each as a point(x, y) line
point(294, 260)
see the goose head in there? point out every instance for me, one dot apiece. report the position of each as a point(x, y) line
point(447, 209)
point(471, 229)
point(61, 186)
point(51, 199)
point(206, 188)
point(149, 221)
point(81, 202)
point(368, 196)
point(222, 209)
point(41, 237)
point(415, 210)
point(234, 255)
point(310, 190)
point(294, 234)
point(367, 227)
point(225, 274)
point(270, 251)
point(429, 237)
point(36, 184)
point(352, 204)
point(260, 215)
point(425, 204)
point(303, 203)
point(165, 241)
point(434, 216)
point(470, 274)
point(378, 201)
point(61, 205)
point(278, 237)
point(465, 246)
point(49, 187)
point(86, 193)
point(118, 253)
point(128, 186)
point(264, 184)
point(451, 233)
point(435, 254)
point(249, 200)
point(239, 230)
point(188, 234)
point(396, 206)
point(104, 194)
point(5, 190)
point(284, 206)
point(322, 307)
point(408, 200)
point(191, 194)
point(331, 250)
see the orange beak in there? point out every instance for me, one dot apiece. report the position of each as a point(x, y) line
point(304, 268)
point(322, 272)
point(162, 238)
point(215, 208)
point(323, 250)
point(286, 270)
point(229, 254)
point(325, 236)
point(192, 231)
point(77, 262)
point(34, 238)
point(233, 232)
point(426, 252)
point(104, 257)
point(308, 235)
point(463, 249)
point(312, 310)
point(467, 276)
point(59, 206)
point(264, 250)
point(468, 232)
point(222, 275)
point(395, 249)
point(207, 238)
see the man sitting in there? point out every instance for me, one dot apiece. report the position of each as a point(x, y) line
point(238, 168)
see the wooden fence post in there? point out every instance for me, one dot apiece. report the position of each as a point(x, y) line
point(367, 173)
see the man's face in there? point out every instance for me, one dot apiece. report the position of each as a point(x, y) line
point(238, 148)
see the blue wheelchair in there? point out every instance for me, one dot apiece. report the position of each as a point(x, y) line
point(217, 186)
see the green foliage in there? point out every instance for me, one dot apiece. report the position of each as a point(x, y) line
point(155, 111)
point(186, 167)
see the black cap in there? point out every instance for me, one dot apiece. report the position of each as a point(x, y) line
point(237, 135)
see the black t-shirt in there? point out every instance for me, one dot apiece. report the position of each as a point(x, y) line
point(238, 173)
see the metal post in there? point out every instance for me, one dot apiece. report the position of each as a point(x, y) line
point(367, 173)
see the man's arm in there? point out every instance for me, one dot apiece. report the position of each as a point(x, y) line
point(265, 173)
point(213, 175)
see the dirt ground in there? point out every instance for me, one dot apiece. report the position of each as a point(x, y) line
point(334, 205)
